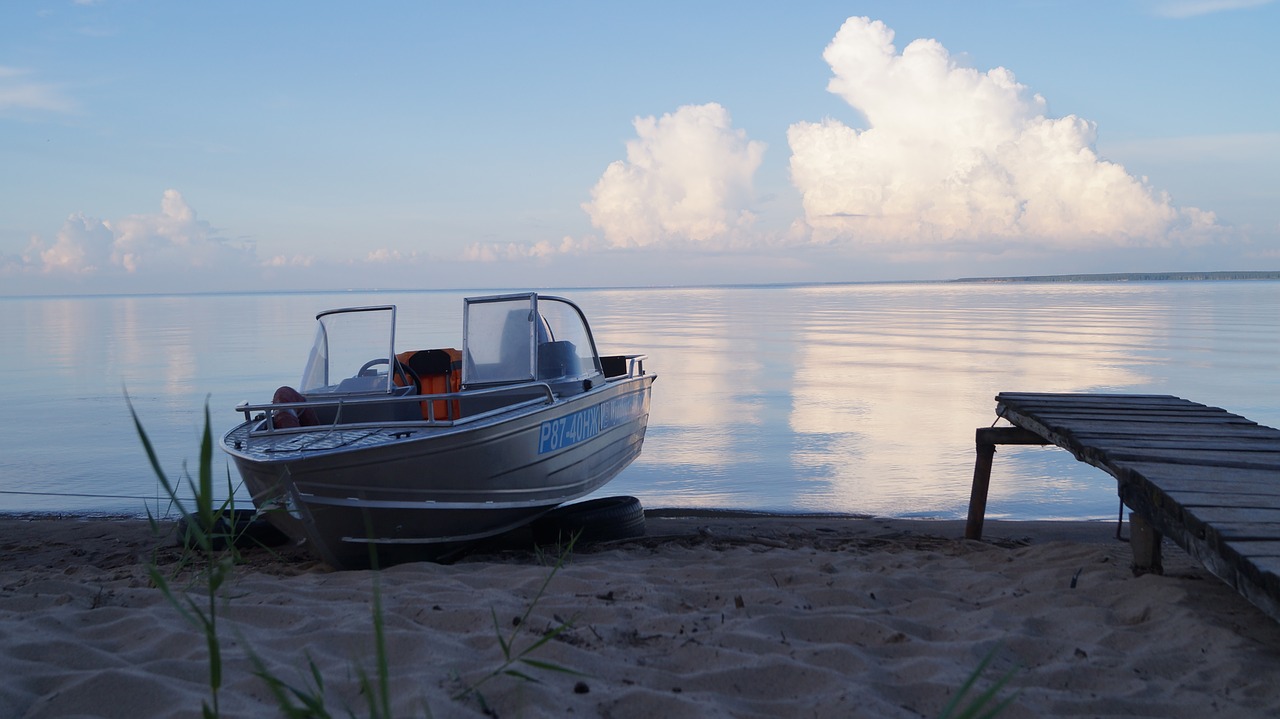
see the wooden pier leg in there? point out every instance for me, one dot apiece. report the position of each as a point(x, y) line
point(985, 440)
point(978, 494)
point(1145, 541)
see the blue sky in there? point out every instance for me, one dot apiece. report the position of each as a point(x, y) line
point(152, 146)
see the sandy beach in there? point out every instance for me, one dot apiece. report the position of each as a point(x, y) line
point(711, 615)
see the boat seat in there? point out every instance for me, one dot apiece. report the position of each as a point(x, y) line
point(439, 371)
point(558, 359)
point(367, 386)
point(286, 418)
point(431, 362)
point(363, 383)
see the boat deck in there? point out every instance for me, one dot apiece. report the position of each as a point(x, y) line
point(1206, 478)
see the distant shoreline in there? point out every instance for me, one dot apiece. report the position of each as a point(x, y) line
point(1099, 277)
point(1133, 277)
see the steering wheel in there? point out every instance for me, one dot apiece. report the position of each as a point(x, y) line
point(367, 366)
point(404, 371)
point(410, 377)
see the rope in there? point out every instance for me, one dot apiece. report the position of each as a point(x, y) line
point(74, 494)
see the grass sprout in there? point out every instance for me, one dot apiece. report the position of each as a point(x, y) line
point(204, 523)
point(984, 705)
point(514, 661)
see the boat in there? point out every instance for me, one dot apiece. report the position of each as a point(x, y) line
point(381, 456)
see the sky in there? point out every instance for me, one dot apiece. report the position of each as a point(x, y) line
point(149, 146)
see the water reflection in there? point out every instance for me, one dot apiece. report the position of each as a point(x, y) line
point(865, 398)
point(859, 398)
point(898, 388)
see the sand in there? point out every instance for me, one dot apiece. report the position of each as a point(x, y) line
point(720, 615)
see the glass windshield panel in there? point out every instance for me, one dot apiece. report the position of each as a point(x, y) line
point(352, 351)
point(565, 348)
point(498, 339)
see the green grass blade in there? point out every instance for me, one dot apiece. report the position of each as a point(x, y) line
point(521, 675)
point(972, 679)
point(380, 648)
point(988, 696)
point(215, 660)
point(552, 667)
point(497, 630)
point(147, 447)
point(974, 709)
point(293, 702)
point(204, 497)
point(158, 579)
point(546, 637)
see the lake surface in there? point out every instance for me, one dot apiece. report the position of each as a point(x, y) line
point(842, 398)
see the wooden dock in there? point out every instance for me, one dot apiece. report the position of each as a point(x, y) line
point(1206, 478)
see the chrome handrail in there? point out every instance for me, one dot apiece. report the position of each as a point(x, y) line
point(635, 365)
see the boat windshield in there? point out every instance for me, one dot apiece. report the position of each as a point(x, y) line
point(520, 338)
point(353, 351)
point(566, 350)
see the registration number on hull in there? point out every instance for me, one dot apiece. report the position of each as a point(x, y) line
point(580, 426)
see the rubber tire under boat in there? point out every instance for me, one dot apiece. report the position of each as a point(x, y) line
point(596, 520)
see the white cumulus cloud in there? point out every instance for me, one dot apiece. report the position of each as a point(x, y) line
point(82, 247)
point(172, 239)
point(289, 261)
point(158, 243)
point(513, 251)
point(952, 156)
point(687, 176)
point(386, 255)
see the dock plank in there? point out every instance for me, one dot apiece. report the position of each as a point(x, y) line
point(1217, 485)
point(1266, 548)
point(1185, 430)
point(1202, 473)
point(1124, 414)
point(1248, 532)
point(1191, 457)
point(1208, 443)
point(1223, 515)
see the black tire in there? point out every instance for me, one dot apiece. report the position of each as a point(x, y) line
point(241, 525)
point(597, 520)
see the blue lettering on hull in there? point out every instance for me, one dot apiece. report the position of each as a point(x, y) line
point(556, 434)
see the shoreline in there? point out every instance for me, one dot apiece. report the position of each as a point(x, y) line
point(710, 614)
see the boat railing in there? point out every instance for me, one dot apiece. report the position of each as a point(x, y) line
point(617, 367)
point(428, 402)
point(635, 365)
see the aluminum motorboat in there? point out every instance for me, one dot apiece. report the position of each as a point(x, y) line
point(390, 456)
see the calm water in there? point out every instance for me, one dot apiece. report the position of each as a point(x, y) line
point(856, 398)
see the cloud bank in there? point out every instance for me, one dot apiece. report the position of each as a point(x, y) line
point(688, 176)
point(949, 161)
point(955, 158)
point(173, 239)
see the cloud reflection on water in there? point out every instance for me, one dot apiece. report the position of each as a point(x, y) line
point(864, 398)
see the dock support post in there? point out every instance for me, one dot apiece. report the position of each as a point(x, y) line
point(1145, 541)
point(985, 441)
point(978, 493)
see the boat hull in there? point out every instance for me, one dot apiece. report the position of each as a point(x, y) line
point(405, 491)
